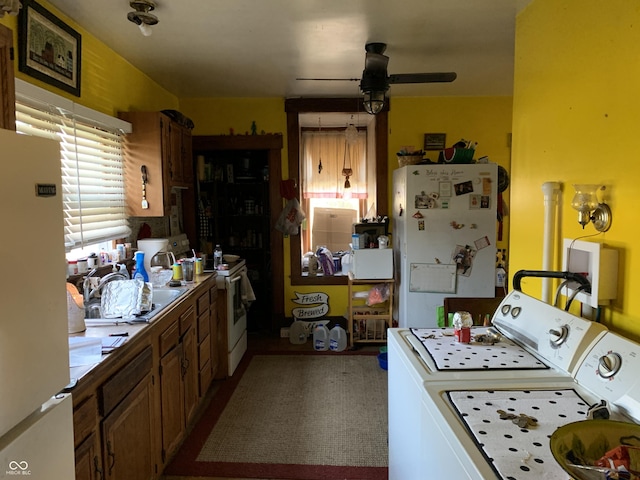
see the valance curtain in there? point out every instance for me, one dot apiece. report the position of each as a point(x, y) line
point(92, 172)
point(331, 147)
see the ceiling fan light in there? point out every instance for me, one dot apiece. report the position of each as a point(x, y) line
point(145, 29)
point(374, 101)
point(141, 15)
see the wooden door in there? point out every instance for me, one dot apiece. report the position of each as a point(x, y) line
point(88, 459)
point(172, 400)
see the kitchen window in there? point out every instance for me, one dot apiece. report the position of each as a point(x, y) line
point(91, 163)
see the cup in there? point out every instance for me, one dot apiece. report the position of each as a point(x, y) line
point(463, 334)
point(187, 270)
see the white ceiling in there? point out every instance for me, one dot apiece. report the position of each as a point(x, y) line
point(257, 48)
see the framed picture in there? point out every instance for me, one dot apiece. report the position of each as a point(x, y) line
point(48, 49)
point(434, 141)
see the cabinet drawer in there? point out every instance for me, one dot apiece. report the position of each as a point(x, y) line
point(187, 320)
point(169, 338)
point(204, 351)
point(85, 417)
point(118, 386)
point(204, 326)
point(203, 303)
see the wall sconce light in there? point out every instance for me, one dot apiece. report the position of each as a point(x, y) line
point(585, 201)
point(141, 16)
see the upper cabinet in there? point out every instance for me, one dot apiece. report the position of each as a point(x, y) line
point(158, 158)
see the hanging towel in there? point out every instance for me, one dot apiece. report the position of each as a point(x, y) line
point(246, 291)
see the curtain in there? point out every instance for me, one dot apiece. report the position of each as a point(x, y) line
point(332, 149)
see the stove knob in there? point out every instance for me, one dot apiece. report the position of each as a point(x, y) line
point(609, 365)
point(515, 311)
point(505, 309)
point(557, 336)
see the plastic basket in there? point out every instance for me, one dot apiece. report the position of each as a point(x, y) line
point(409, 159)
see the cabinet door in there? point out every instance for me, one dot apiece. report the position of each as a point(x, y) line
point(128, 437)
point(174, 160)
point(172, 400)
point(190, 371)
point(214, 319)
point(88, 462)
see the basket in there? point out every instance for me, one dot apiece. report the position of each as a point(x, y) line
point(409, 159)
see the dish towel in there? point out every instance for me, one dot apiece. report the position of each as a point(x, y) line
point(246, 291)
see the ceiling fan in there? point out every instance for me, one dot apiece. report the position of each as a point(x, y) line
point(375, 81)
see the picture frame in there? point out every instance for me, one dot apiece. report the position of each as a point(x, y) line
point(435, 141)
point(48, 49)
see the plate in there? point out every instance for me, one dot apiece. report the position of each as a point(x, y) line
point(580, 444)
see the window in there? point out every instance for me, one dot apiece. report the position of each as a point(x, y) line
point(332, 200)
point(377, 144)
point(91, 163)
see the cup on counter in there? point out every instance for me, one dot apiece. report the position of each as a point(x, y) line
point(187, 270)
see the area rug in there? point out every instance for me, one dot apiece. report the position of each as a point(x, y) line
point(293, 416)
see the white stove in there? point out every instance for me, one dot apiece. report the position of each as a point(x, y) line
point(452, 410)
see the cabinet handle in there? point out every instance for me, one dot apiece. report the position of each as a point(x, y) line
point(97, 469)
point(185, 366)
point(112, 456)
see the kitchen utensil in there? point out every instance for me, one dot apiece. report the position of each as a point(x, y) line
point(145, 203)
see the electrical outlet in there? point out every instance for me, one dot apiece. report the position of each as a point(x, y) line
point(284, 332)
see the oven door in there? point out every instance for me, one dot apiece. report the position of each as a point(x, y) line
point(236, 320)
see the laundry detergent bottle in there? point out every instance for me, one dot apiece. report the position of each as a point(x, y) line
point(321, 337)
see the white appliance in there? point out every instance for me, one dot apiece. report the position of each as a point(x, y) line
point(230, 284)
point(444, 237)
point(444, 419)
point(36, 427)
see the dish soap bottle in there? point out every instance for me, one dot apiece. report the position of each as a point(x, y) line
point(140, 272)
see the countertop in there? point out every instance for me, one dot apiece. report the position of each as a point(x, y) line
point(125, 329)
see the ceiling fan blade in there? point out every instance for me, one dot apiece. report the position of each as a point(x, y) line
point(423, 77)
point(332, 79)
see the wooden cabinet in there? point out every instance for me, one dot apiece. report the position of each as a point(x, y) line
point(164, 148)
point(128, 433)
point(207, 338)
point(87, 440)
point(368, 323)
point(178, 378)
point(7, 81)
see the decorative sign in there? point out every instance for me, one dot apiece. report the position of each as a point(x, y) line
point(49, 49)
point(318, 305)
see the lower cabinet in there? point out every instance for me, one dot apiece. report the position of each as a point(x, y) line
point(178, 373)
point(128, 436)
point(131, 413)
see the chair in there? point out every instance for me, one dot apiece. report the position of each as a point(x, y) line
point(479, 308)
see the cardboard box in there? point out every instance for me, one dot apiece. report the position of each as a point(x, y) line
point(372, 263)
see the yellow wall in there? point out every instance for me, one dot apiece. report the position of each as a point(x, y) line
point(576, 116)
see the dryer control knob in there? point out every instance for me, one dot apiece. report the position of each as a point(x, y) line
point(557, 336)
point(609, 365)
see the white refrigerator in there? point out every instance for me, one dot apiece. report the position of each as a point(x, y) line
point(444, 237)
point(36, 421)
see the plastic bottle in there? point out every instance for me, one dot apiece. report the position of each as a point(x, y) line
point(337, 339)
point(141, 273)
point(321, 337)
point(217, 257)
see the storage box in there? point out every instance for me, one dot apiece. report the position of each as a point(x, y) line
point(372, 263)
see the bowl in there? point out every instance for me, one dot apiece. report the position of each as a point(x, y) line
point(578, 446)
point(230, 258)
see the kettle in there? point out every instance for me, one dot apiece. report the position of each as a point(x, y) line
point(75, 310)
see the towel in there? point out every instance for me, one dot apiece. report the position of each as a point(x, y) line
point(246, 291)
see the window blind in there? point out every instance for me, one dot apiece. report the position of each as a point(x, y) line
point(92, 171)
